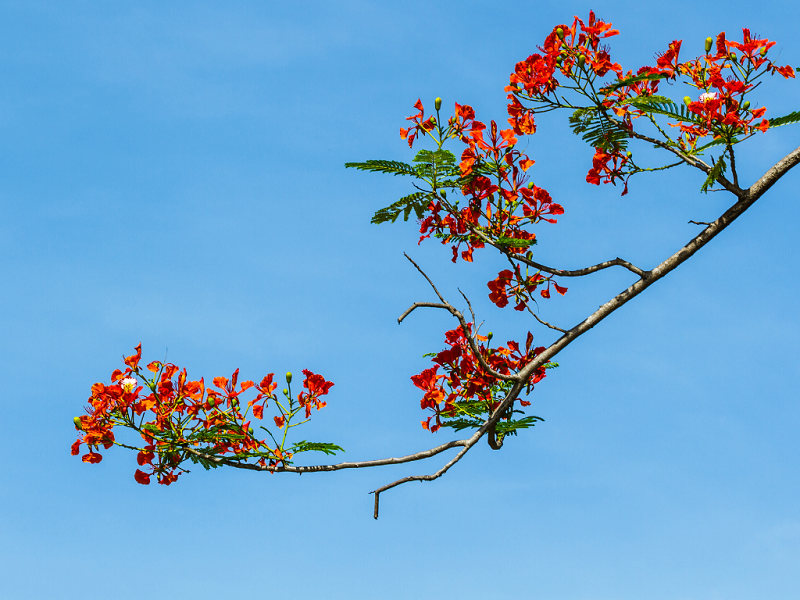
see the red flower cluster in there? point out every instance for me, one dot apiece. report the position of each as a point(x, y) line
point(721, 110)
point(465, 389)
point(608, 167)
point(723, 79)
point(422, 124)
point(571, 51)
point(178, 417)
point(512, 284)
point(499, 204)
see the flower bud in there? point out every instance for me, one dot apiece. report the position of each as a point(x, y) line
point(560, 33)
point(78, 424)
point(629, 154)
point(211, 402)
point(529, 255)
point(443, 194)
point(288, 377)
point(709, 41)
point(250, 430)
point(437, 103)
point(581, 61)
point(285, 392)
point(763, 51)
point(530, 185)
point(490, 335)
point(746, 105)
point(687, 100)
point(734, 58)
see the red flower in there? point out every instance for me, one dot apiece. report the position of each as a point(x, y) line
point(422, 125)
point(92, 457)
point(141, 477)
point(133, 360)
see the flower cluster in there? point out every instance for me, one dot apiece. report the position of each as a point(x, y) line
point(499, 206)
point(514, 285)
point(573, 52)
point(421, 125)
point(465, 393)
point(572, 59)
point(181, 420)
point(725, 78)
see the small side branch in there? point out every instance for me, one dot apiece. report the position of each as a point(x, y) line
point(417, 305)
point(617, 262)
point(543, 322)
point(436, 475)
point(469, 443)
point(229, 462)
point(463, 322)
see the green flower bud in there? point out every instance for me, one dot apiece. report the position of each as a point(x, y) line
point(78, 424)
point(629, 154)
point(529, 255)
point(746, 105)
point(687, 100)
point(250, 430)
point(211, 402)
point(560, 33)
point(490, 335)
point(285, 392)
point(581, 61)
point(288, 377)
point(443, 194)
point(763, 51)
point(734, 58)
point(437, 103)
point(709, 41)
point(530, 185)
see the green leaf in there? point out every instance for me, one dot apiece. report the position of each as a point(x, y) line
point(384, 166)
point(597, 130)
point(717, 170)
point(676, 111)
point(792, 117)
point(632, 79)
point(325, 447)
point(510, 427)
point(643, 101)
point(711, 144)
point(418, 202)
point(438, 157)
point(514, 242)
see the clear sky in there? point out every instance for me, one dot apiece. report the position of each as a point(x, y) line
point(172, 174)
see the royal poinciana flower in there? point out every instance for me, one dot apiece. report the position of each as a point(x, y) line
point(608, 101)
point(465, 392)
point(180, 420)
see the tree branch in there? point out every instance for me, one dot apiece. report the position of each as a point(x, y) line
point(617, 262)
point(221, 460)
point(469, 443)
point(774, 174)
point(746, 198)
point(464, 325)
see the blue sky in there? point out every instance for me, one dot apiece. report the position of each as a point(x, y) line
point(173, 175)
